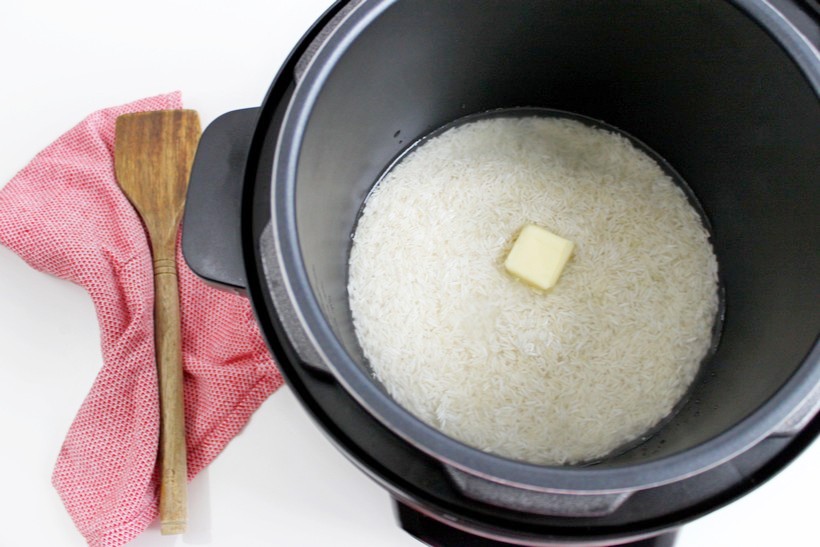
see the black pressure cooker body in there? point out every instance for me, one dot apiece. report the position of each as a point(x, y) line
point(726, 91)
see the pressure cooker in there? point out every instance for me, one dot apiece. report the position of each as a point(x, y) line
point(725, 91)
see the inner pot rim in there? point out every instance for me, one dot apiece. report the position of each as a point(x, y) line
point(746, 433)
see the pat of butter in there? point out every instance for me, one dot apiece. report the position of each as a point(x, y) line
point(538, 256)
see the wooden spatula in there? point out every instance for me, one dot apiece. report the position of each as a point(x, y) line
point(153, 156)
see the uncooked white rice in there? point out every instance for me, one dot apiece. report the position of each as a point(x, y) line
point(550, 378)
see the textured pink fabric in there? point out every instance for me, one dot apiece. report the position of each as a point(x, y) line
point(65, 215)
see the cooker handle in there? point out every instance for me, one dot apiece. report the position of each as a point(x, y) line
point(435, 533)
point(211, 227)
point(211, 236)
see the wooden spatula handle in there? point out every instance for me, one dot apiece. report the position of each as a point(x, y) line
point(172, 452)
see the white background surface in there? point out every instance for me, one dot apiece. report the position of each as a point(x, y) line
point(280, 482)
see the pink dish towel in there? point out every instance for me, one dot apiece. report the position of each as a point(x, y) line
point(65, 215)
